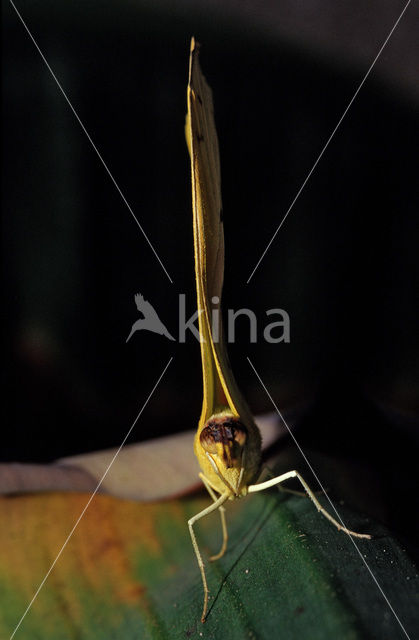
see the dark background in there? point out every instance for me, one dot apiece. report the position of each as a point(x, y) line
point(344, 265)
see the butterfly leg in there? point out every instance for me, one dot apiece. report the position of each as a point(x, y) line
point(294, 474)
point(218, 503)
point(221, 510)
point(303, 494)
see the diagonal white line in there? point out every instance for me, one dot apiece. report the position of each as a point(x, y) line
point(91, 141)
point(90, 500)
point(330, 502)
point(329, 140)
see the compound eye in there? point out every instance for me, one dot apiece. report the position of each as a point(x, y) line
point(240, 434)
point(208, 439)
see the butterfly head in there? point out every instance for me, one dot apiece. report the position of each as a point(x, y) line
point(222, 444)
point(224, 438)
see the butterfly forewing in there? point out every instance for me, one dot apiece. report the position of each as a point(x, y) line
point(221, 394)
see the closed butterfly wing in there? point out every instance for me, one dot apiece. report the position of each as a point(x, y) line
point(221, 397)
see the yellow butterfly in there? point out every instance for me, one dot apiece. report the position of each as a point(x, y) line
point(227, 442)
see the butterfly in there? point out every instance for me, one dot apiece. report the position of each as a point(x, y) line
point(227, 443)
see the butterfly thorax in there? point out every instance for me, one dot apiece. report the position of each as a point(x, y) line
point(228, 452)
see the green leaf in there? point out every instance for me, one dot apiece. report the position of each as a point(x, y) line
point(129, 571)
